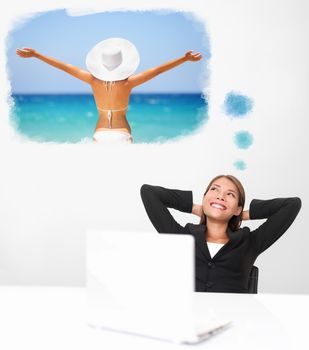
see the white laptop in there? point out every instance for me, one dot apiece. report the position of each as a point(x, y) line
point(143, 283)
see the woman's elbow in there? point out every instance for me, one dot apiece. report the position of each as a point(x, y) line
point(144, 190)
point(297, 203)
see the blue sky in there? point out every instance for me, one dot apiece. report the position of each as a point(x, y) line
point(159, 36)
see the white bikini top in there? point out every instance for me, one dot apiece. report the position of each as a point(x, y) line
point(110, 114)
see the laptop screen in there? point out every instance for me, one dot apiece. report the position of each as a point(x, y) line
point(140, 282)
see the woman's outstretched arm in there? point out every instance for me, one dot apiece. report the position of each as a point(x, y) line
point(138, 79)
point(68, 68)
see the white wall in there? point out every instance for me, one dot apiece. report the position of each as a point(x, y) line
point(50, 194)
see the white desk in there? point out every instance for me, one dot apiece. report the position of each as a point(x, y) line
point(46, 318)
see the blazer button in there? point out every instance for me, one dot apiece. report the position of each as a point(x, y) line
point(209, 284)
point(211, 264)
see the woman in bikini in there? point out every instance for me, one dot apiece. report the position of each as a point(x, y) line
point(111, 64)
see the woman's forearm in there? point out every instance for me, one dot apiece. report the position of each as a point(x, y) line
point(151, 73)
point(66, 67)
point(169, 65)
point(157, 200)
point(197, 209)
point(246, 215)
point(279, 214)
point(52, 61)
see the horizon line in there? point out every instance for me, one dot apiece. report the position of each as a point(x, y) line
point(89, 93)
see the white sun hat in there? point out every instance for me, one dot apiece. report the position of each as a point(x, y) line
point(112, 59)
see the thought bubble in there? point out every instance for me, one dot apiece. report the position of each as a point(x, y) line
point(237, 105)
point(243, 139)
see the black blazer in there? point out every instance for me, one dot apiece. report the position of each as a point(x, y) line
point(229, 269)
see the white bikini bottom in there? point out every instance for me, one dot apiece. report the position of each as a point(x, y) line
point(112, 136)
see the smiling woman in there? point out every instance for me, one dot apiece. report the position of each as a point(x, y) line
point(225, 252)
point(224, 198)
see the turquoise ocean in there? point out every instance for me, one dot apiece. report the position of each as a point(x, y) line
point(72, 117)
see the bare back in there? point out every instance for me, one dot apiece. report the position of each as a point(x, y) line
point(114, 97)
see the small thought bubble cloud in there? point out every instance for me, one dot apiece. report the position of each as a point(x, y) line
point(243, 139)
point(237, 105)
point(240, 165)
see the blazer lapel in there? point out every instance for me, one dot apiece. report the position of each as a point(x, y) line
point(198, 231)
point(234, 238)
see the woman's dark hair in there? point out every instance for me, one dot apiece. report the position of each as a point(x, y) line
point(235, 221)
